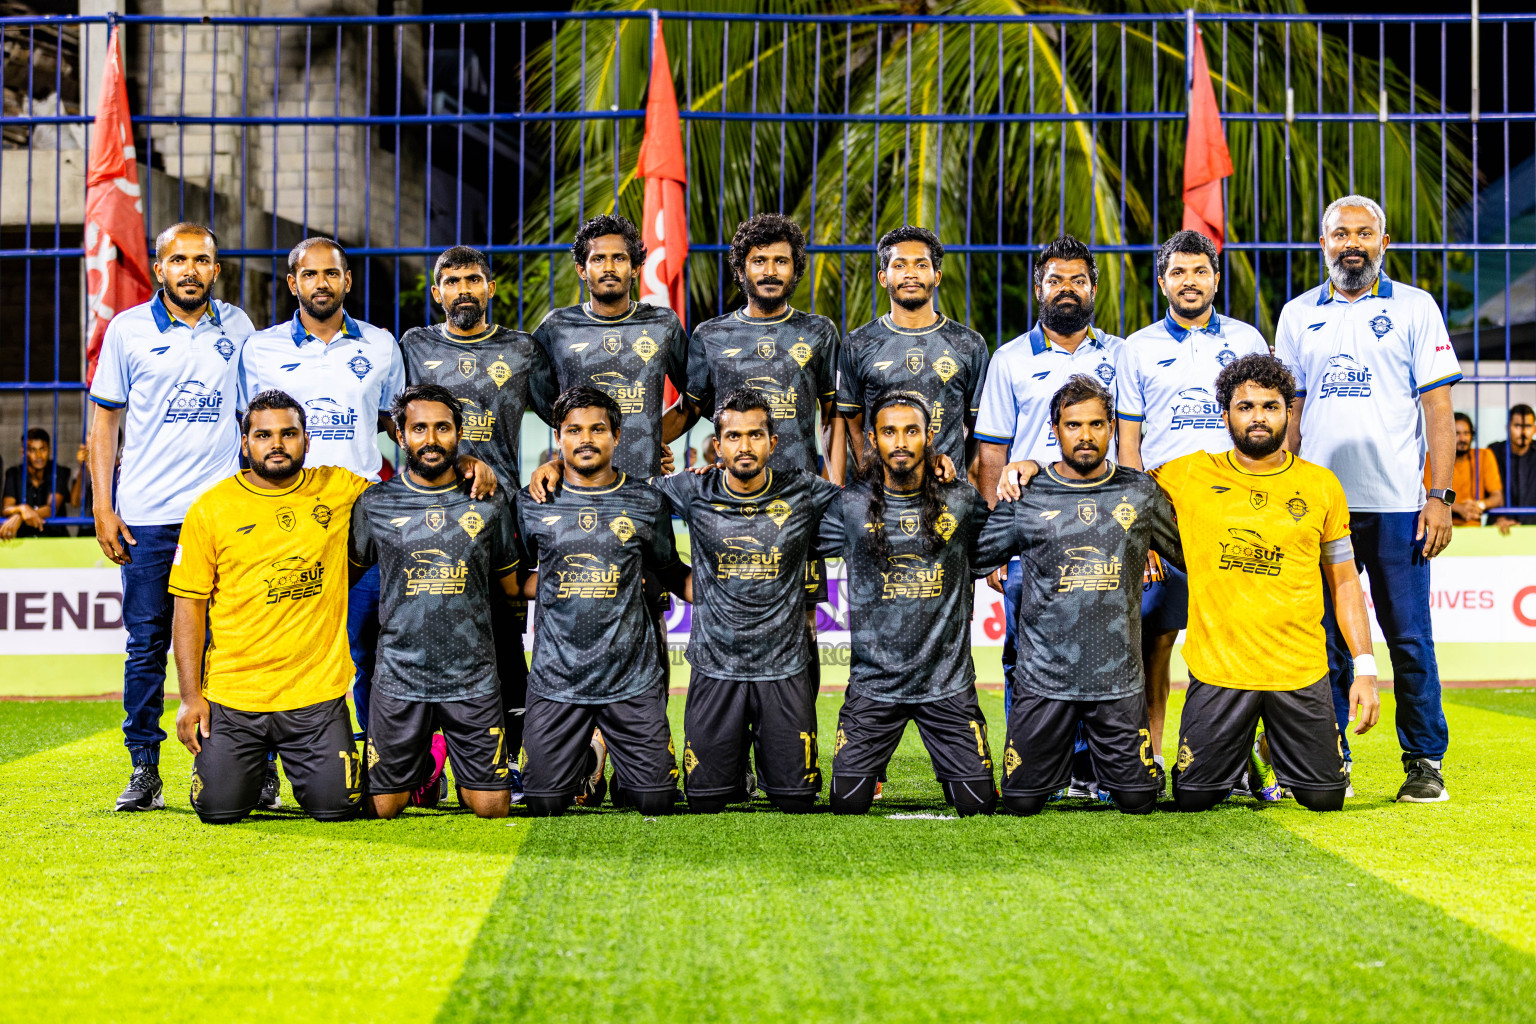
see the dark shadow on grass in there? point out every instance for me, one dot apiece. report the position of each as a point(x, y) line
point(1520, 702)
point(28, 728)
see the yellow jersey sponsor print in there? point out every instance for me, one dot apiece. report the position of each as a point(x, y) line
point(912, 576)
point(275, 578)
point(1088, 568)
point(586, 575)
point(1253, 547)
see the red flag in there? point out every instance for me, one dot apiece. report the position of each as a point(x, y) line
point(1206, 159)
point(664, 167)
point(116, 258)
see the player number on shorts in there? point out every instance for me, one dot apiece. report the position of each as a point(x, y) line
point(809, 739)
point(981, 740)
point(499, 762)
point(349, 759)
point(1146, 746)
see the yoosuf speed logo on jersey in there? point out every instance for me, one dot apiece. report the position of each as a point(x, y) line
point(479, 423)
point(629, 394)
point(745, 559)
point(912, 576)
point(329, 420)
point(1088, 568)
point(780, 399)
point(294, 579)
point(1195, 409)
point(433, 571)
point(586, 575)
point(1248, 551)
point(194, 402)
point(1345, 377)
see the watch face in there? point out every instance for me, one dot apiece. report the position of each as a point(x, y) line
point(1448, 496)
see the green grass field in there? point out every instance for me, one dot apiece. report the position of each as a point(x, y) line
point(1383, 912)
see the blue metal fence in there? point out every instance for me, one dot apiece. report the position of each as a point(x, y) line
point(403, 135)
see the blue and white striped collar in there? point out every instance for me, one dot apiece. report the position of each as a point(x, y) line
point(349, 329)
point(1381, 288)
point(163, 319)
point(1039, 343)
point(1178, 332)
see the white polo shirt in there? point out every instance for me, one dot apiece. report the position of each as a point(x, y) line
point(1025, 373)
point(343, 386)
point(1362, 366)
point(177, 385)
point(1166, 379)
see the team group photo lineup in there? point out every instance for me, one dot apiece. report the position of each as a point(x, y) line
point(358, 627)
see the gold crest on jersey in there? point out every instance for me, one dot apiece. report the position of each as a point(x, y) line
point(645, 348)
point(946, 524)
point(623, 528)
point(778, 511)
point(1125, 514)
point(435, 518)
point(1011, 760)
point(1186, 757)
point(946, 367)
point(499, 372)
point(1087, 511)
point(467, 366)
point(690, 760)
point(587, 519)
point(766, 349)
point(372, 753)
point(749, 510)
point(800, 352)
point(611, 342)
point(197, 786)
point(910, 523)
point(915, 361)
point(839, 742)
point(472, 522)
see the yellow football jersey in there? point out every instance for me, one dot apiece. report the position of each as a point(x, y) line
point(1254, 544)
point(273, 568)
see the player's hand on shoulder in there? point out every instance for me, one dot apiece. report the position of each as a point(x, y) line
point(544, 483)
point(1016, 476)
point(481, 477)
point(192, 720)
point(668, 463)
point(944, 469)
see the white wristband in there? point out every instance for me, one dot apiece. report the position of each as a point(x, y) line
point(1365, 664)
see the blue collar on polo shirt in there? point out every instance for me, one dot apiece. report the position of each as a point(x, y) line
point(1038, 342)
point(1381, 288)
point(163, 319)
point(348, 329)
point(1178, 332)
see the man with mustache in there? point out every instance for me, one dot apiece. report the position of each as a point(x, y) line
point(441, 555)
point(1477, 480)
point(260, 592)
point(1373, 363)
point(596, 663)
point(1165, 379)
point(1015, 418)
point(1082, 532)
point(751, 527)
point(491, 370)
point(913, 347)
point(167, 378)
point(908, 540)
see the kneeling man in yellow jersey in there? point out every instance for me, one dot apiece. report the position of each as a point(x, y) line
point(262, 567)
point(1256, 524)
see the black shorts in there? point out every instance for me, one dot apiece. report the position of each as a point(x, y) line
point(399, 748)
point(1217, 727)
point(507, 622)
point(1042, 733)
point(318, 752)
point(636, 731)
point(815, 582)
point(952, 728)
point(777, 718)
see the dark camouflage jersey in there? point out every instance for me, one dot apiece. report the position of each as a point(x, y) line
point(594, 641)
point(1083, 548)
point(945, 363)
point(440, 554)
point(629, 357)
point(492, 376)
point(909, 614)
point(791, 359)
point(748, 554)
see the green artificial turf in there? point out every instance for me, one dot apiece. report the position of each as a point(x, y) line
point(1383, 912)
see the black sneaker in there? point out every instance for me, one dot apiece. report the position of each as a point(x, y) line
point(1160, 779)
point(271, 787)
point(145, 791)
point(1424, 784)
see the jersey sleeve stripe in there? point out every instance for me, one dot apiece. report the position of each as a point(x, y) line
point(1442, 382)
point(992, 439)
point(1129, 417)
point(1340, 550)
point(849, 407)
point(1301, 392)
point(195, 595)
point(106, 403)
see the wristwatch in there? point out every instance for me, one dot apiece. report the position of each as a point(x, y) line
point(1444, 494)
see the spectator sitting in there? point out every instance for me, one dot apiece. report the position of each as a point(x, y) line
point(1516, 460)
point(32, 492)
point(1475, 478)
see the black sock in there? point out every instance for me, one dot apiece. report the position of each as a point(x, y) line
point(852, 794)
